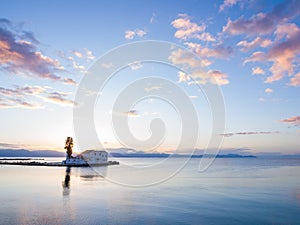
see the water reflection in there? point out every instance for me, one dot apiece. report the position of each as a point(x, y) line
point(66, 182)
point(85, 174)
point(93, 173)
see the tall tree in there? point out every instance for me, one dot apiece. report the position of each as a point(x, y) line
point(69, 146)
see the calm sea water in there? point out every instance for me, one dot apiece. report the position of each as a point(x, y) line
point(153, 191)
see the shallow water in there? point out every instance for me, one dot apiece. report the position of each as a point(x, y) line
point(154, 191)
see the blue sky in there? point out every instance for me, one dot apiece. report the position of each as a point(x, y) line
point(250, 47)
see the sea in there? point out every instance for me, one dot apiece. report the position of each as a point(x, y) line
point(154, 191)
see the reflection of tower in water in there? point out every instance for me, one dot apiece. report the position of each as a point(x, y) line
point(66, 182)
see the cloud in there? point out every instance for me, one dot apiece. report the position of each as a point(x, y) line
point(202, 77)
point(227, 4)
point(21, 91)
point(26, 97)
point(257, 42)
point(264, 23)
point(4, 21)
point(153, 18)
point(78, 67)
point(268, 90)
point(107, 65)
point(183, 77)
point(295, 81)
point(19, 54)
point(256, 56)
point(185, 58)
point(135, 65)
point(9, 145)
point(283, 54)
point(218, 51)
point(249, 133)
point(15, 98)
point(59, 98)
point(89, 54)
point(198, 73)
point(152, 88)
point(78, 54)
point(70, 81)
point(22, 56)
point(130, 34)
point(287, 30)
point(257, 71)
point(270, 100)
point(190, 30)
point(218, 77)
point(262, 99)
point(16, 146)
point(18, 103)
point(295, 121)
point(130, 113)
point(84, 54)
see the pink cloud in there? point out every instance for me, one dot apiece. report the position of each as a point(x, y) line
point(219, 77)
point(264, 23)
point(89, 54)
point(250, 133)
point(21, 91)
point(188, 30)
point(185, 58)
point(287, 30)
point(268, 90)
point(283, 54)
point(205, 52)
point(295, 81)
point(130, 34)
point(227, 4)
point(84, 54)
point(70, 81)
point(130, 113)
point(197, 68)
point(257, 42)
point(78, 54)
point(18, 103)
point(59, 98)
point(257, 70)
point(19, 55)
point(27, 96)
point(183, 77)
point(256, 56)
point(16, 98)
point(211, 76)
point(295, 120)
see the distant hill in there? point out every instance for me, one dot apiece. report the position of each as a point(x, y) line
point(121, 154)
point(164, 155)
point(27, 153)
point(130, 153)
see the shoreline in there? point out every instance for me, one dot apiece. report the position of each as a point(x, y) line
point(57, 164)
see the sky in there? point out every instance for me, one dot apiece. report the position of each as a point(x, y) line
point(250, 49)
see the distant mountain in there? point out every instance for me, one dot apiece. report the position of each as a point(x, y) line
point(124, 153)
point(28, 153)
point(278, 156)
point(164, 155)
point(131, 153)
